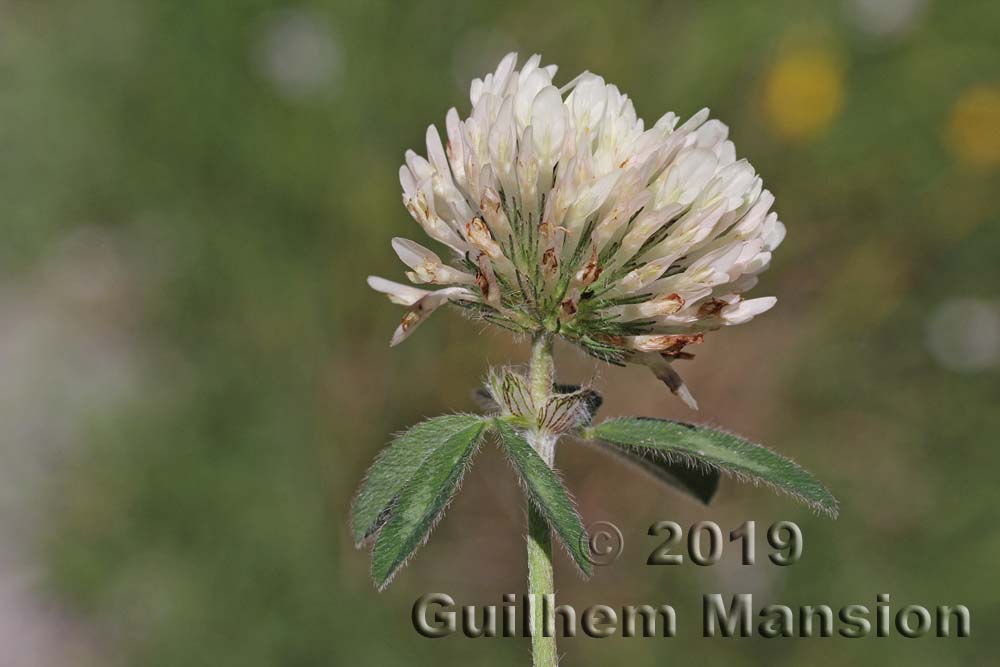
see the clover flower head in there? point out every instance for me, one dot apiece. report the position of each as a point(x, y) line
point(562, 212)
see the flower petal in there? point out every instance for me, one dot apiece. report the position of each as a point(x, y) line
point(423, 308)
point(398, 293)
point(427, 266)
point(665, 372)
point(744, 311)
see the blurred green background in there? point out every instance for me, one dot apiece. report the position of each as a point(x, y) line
point(194, 376)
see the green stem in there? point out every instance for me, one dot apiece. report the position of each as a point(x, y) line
point(541, 374)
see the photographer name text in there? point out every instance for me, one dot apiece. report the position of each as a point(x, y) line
point(438, 615)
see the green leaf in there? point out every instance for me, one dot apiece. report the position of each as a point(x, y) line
point(395, 467)
point(548, 494)
point(730, 453)
point(698, 480)
point(422, 502)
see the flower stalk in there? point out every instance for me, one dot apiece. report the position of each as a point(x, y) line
point(540, 580)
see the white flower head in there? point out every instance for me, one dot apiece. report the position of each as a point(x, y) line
point(563, 212)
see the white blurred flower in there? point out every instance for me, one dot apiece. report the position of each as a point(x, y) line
point(886, 18)
point(564, 212)
point(964, 334)
point(298, 54)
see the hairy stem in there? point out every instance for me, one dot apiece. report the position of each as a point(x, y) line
point(540, 374)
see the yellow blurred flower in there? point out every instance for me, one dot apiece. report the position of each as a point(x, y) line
point(972, 128)
point(803, 93)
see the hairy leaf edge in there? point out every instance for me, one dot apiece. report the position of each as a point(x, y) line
point(832, 509)
point(585, 571)
point(463, 466)
point(383, 517)
point(628, 458)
